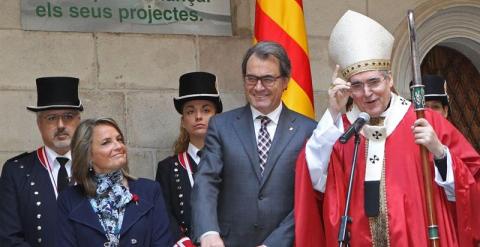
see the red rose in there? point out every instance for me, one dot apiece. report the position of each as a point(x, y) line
point(135, 198)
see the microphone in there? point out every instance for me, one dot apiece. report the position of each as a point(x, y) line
point(362, 119)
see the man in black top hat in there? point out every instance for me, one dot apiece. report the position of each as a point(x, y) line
point(436, 96)
point(30, 182)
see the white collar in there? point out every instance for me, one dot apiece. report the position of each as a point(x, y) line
point(192, 150)
point(273, 115)
point(52, 155)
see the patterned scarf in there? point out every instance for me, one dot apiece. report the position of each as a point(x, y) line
point(110, 202)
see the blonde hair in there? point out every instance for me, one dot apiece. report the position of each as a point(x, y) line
point(183, 139)
point(81, 147)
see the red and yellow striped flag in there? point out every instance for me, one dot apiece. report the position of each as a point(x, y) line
point(282, 21)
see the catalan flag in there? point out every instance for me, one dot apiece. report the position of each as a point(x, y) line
point(282, 21)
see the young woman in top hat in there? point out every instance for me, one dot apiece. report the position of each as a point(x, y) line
point(436, 97)
point(198, 101)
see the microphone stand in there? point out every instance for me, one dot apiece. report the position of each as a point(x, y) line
point(343, 234)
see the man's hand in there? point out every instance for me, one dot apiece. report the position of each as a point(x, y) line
point(426, 136)
point(338, 93)
point(212, 240)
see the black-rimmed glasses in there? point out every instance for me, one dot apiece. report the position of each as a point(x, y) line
point(66, 117)
point(267, 81)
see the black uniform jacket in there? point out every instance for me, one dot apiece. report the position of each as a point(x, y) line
point(176, 187)
point(28, 206)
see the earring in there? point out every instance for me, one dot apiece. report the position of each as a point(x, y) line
point(90, 167)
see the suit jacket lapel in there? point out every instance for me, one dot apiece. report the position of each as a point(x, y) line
point(134, 210)
point(85, 215)
point(283, 134)
point(243, 127)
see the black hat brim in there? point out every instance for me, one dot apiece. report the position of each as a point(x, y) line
point(179, 102)
point(55, 107)
point(443, 99)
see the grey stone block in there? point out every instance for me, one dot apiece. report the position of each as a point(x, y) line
point(28, 55)
point(223, 57)
point(390, 14)
point(321, 16)
point(152, 120)
point(19, 127)
point(243, 16)
point(320, 63)
point(10, 14)
point(321, 103)
point(141, 163)
point(105, 104)
point(144, 61)
point(233, 100)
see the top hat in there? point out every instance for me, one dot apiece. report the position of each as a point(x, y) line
point(435, 88)
point(57, 93)
point(358, 43)
point(197, 85)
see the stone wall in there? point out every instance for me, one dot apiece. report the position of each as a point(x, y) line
point(133, 77)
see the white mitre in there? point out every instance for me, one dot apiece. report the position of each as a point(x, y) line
point(358, 43)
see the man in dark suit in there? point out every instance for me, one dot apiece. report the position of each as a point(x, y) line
point(30, 182)
point(243, 192)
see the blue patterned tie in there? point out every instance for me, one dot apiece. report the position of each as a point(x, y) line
point(264, 142)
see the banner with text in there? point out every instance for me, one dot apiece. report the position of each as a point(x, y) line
point(202, 17)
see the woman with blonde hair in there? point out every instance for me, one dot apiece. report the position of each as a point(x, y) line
point(198, 101)
point(107, 206)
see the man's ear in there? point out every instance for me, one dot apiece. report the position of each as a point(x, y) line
point(285, 83)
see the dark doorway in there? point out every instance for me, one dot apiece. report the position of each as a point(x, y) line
point(463, 88)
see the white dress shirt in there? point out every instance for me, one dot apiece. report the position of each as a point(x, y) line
point(54, 166)
point(193, 152)
point(274, 116)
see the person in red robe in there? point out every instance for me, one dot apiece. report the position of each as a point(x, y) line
point(388, 205)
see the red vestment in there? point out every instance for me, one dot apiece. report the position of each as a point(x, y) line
point(317, 215)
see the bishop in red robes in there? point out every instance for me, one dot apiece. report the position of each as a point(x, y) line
point(388, 205)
